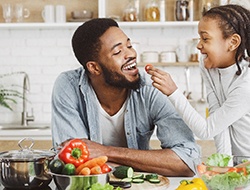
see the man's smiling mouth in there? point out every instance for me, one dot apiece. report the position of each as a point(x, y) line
point(130, 66)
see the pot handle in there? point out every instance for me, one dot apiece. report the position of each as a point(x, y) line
point(24, 147)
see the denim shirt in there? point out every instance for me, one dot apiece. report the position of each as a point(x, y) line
point(75, 115)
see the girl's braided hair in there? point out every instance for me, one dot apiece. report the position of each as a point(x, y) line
point(234, 19)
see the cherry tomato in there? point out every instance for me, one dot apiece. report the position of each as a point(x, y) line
point(147, 67)
point(105, 168)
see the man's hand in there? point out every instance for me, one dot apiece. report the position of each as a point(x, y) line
point(95, 149)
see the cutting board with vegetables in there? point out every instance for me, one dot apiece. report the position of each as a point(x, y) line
point(146, 185)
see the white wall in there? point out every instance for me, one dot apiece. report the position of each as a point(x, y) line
point(44, 53)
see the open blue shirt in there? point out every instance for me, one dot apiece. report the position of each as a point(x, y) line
point(75, 115)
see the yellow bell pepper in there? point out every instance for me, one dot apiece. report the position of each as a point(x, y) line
point(195, 184)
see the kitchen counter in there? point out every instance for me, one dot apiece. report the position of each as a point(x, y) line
point(174, 183)
point(17, 132)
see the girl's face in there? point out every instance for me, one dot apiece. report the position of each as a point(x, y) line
point(214, 48)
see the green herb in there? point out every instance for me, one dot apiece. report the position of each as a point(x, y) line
point(7, 94)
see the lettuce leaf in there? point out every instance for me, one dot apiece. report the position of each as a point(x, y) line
point(218, 159)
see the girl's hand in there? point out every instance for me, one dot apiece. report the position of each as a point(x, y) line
point(161, 80)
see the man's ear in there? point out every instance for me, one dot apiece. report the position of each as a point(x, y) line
point(235, 41)
point(93, 67)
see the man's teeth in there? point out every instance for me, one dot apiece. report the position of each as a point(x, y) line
point(130, 66)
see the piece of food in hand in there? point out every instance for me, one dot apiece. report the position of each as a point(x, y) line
point(75, 152)
point(123, 172)
point(148, 66)
point(69, 169)
point(98, 161)
point(56, 166)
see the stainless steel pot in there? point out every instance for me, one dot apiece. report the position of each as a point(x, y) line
point(25, 168)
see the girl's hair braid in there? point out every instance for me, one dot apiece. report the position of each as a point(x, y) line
point(234, 19)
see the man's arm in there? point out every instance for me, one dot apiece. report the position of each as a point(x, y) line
point(163, 161)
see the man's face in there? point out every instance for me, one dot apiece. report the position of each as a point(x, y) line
point(118, 60)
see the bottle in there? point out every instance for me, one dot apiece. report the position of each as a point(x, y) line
point(130, 12)
point(152, 11)
point(137, 6)
point(194, 52)
point(162, 10)
point(191, 10)
point(181, 10)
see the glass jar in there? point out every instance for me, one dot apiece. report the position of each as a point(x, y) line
point(181, 10)
point(130, 12)
point(152, 11)
point(194, 52)
point(208, 4)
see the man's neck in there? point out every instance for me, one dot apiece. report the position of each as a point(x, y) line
point(110, 98)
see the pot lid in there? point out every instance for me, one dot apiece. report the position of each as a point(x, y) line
point(26, 153)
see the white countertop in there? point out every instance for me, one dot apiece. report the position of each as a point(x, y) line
point(16, 134)
point(175, 182)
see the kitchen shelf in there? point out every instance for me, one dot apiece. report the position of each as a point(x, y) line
point(175, 64)
point(73, 25)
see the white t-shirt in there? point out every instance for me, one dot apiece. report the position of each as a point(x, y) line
point(113, 133)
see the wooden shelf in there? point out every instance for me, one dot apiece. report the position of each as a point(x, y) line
point(175, 64)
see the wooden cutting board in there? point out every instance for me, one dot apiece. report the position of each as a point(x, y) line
point(163, 185)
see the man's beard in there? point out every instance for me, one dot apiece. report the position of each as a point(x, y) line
point(119, 81)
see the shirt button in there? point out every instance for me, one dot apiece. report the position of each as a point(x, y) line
point(128, 133)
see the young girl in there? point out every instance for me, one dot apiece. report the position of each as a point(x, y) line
point(225, 47)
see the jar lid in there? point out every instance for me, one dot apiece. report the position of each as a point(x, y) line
point(26, 153)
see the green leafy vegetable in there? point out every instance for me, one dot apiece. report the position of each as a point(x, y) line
point(107, 186)
point(230, 180)
point(216, 159)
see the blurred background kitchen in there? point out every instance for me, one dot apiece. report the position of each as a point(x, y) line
point(35, 47)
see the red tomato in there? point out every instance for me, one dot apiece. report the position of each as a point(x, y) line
point(147, 67)
point(105, 168)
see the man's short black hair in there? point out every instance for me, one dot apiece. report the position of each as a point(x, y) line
point(86, 39)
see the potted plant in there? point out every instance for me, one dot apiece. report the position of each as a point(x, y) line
point(8, 94)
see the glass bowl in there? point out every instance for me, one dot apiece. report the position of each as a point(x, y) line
point(233, 176)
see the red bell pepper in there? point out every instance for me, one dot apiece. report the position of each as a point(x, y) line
point(75, 152)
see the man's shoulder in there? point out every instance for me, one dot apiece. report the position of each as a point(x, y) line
point(73, 75)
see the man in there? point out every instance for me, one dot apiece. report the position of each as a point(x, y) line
point(114, 110)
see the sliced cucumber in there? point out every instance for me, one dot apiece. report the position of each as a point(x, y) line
point(127, 179)
point(151, 176)
point(123, 172)
point(137, 180)
point(138, 176)
point(154, 180)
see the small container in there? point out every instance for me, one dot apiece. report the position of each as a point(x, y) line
point(150, 57)
point(152, 11)
point(168, 57)
point(194, 52)
point(130, 12)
